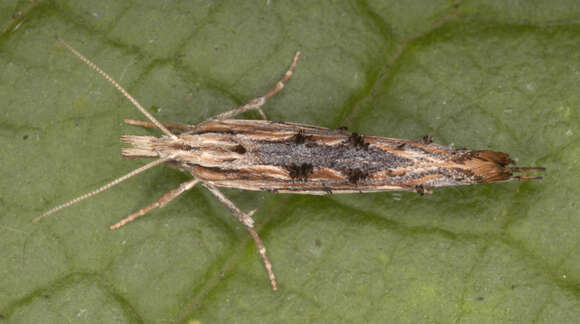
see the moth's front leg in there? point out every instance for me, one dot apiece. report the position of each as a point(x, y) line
point(257, 103)
point(164, 200)
point(246, 219)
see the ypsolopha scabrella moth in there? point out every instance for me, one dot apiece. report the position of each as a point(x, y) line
point(295, 158)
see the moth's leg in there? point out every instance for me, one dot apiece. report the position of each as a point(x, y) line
point(166, 198)
point(176, 128)
point(257, 103)
point(247, 220)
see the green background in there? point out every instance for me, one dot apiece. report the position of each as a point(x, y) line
point(500, 75)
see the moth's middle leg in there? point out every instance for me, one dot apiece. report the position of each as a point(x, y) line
point(245, 218)
point(257, 103)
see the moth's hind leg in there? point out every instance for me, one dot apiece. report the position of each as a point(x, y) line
point(257, 103)
point(176, 128)
point(246, 219)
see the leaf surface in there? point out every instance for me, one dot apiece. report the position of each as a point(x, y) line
point(479, 74)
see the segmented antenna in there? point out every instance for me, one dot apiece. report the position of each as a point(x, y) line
point(103, 188)
point(130, 174)
point(121, 89)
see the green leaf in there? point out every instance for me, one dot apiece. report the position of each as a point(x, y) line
point(480, 74)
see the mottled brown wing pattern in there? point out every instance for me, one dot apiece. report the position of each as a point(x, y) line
point(298, 158)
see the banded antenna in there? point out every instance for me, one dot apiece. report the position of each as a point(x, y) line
point(130, 174)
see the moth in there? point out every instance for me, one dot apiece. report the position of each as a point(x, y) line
point(284, 157)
